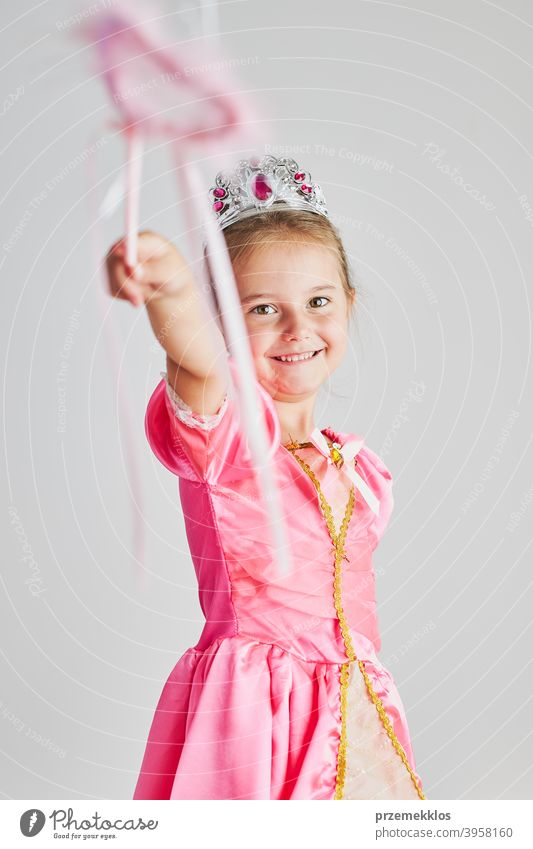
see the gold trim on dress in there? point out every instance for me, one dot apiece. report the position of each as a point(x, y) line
point(338, 540)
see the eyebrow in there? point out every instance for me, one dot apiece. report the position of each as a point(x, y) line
point(257, 295)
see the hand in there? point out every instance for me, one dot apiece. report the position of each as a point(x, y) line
point(160, 271)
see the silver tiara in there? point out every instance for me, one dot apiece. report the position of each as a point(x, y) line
point(257, 183)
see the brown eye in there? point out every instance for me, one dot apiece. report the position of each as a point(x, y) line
point(320, 298)
point(258, 307)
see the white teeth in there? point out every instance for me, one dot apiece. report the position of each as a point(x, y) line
point(296, 357)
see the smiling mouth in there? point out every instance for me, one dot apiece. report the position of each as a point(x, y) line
point(293, 359)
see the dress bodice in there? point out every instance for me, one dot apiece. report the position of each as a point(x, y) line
point(325, 608)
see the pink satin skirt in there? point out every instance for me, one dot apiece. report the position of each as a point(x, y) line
point(249, 720)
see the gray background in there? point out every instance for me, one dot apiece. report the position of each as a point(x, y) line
point(417, 121)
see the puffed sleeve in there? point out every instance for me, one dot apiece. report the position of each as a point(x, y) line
point(379, 478)
point(211, 448)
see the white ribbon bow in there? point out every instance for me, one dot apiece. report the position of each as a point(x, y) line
point(347, 451)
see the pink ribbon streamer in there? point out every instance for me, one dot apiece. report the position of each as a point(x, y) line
point(115, 347)
point(127, 44)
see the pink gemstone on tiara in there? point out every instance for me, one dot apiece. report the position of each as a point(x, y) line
point(219, 193)
point(218, 205)
point(307, 189)
point(260, 187)
point(299, 175)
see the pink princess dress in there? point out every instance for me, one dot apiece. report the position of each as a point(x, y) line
point(283, 696)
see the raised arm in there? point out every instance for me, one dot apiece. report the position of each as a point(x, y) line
point(163, 282)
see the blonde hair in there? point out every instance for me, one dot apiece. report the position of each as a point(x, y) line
point(276, 226)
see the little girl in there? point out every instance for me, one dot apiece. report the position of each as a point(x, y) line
point(283, 696)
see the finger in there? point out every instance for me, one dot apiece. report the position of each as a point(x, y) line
point(121, 284)
point(118, 267)
point(136, 273)
point(131, 292)
point(116, 249)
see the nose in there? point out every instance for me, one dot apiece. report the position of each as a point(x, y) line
point(295, 335)
point(295, 327)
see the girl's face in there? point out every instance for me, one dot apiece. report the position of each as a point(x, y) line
point(294, 303)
